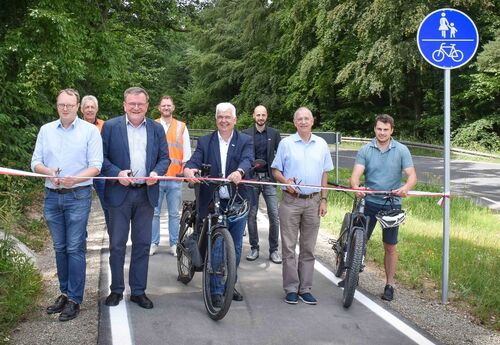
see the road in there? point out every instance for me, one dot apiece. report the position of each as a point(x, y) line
point(479, 180)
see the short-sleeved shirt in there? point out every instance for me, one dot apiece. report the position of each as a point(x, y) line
point(304, 161)
point(384, 170)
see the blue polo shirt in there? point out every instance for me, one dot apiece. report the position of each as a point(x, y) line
point(384, 170)
point(305, 161)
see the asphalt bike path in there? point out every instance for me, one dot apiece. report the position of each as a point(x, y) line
point(179, 315)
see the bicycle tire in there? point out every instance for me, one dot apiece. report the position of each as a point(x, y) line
point(339, 246)
point(185, 269)
point(220, 236)
point(354, 259)
point(438, 55)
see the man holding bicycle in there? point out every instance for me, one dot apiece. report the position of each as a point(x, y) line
point(382, 161)
point(230, 155)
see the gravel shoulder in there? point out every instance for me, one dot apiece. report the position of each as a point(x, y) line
point(446, 323)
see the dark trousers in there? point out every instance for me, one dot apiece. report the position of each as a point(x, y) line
point(136, 214)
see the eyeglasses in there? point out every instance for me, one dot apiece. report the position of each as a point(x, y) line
point(61, 106)
point(136, 105)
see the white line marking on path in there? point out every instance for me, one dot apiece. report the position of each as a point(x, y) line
point(119, 323)
point(377, 309)
point(492, 201)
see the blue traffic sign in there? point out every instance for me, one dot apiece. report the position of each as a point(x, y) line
point(447, 38)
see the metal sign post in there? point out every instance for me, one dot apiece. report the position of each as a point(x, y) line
point(447, 39)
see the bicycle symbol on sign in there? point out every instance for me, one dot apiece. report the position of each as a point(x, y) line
point(453, 53)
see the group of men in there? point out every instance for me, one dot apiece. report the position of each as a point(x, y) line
point(133, 151)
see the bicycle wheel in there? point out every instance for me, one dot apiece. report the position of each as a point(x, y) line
point(339, 246)
point(219, 274)
point(185, 267)
point(438, 55)
point(354, 258)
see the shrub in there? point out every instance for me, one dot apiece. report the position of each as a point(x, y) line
point(481, 135)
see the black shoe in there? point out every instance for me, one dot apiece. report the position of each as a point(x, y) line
point(388, 293)
point(142, 300)
point(113, 299)
point(58, 305)
point(217, 301)
point(70, 311)
point(237, 296)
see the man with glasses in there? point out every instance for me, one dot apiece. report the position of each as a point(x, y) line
point(179, 150)
point(69, 150)
point(135, 152)
point(302, 158)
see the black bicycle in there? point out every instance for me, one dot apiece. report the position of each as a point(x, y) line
point(206, 245)
point(350, 246)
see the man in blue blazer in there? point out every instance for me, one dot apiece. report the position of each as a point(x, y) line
point(134, 146)
point(230, 154)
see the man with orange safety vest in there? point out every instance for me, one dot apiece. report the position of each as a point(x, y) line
point(179, 149)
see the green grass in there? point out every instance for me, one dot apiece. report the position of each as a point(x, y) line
point(20, 284)
point(474, 262)
point(20, 281)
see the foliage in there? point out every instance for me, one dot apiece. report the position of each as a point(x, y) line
point(483, 134)
point(20, 284)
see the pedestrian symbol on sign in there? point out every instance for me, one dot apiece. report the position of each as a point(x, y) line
point(447, 38)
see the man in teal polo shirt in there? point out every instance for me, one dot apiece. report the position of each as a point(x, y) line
point(382, 161)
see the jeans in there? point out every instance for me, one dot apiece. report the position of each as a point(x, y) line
point(99, 189)
point(172, 191)
point(67, 216)
point(271, 199)
point(236, 229)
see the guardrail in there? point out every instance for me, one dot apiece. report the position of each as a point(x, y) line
point(366, 140)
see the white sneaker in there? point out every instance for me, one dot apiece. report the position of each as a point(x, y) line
point(153, 249)
point(173, 250)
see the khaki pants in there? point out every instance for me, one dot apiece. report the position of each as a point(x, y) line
point(298, 216)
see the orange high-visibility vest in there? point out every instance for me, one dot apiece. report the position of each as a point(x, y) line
point(175, 141)
point(99, 123)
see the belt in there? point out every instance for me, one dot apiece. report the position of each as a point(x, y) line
point(137, 185)
point(66, 190)
point(302, 196)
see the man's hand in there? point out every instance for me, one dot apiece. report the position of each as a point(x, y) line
point(401, 191)
point(189, 175)
point(360, 195)
point(235, 177)
point(68, 182)
point(291, 189)
point(54, 179)
point(123, 177)
point(323, 208)
point(152, 182)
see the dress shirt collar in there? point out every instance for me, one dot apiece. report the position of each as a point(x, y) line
point(72, 125)
point(143, 123)
point(222, 139)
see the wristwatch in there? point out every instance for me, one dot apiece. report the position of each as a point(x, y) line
point(241, 171)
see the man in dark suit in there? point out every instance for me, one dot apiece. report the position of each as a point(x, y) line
point(230, 154)
point(265, 143)
point(134, 146)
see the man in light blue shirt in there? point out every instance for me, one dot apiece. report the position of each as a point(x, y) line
point(70, 151)
point(302, 158)
point(383, 161)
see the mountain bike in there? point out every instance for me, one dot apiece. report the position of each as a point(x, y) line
point(206, 245)
point(350, 246)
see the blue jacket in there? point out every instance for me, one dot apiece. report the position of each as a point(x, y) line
point(117, 158)
point(239, 155)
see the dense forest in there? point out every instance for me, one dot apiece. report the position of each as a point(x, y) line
point(345, 59)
